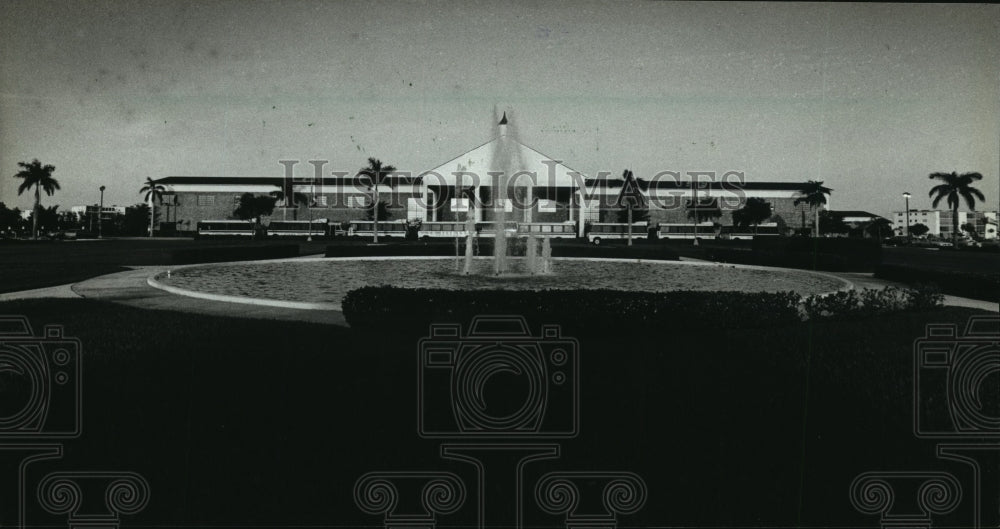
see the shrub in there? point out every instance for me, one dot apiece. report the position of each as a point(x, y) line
point(973, 285)
point(585, 311)
point(855, 304)
point(834, 254)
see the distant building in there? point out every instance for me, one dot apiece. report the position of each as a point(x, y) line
point(855, 218)
point(940, 221)
point(928, 217)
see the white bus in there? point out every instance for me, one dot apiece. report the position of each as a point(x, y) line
point(386, 228)
point(554, 230)
point(705, 230)
point(297, 228)
point(768, 229)
point(225, 228)
point(603, 231)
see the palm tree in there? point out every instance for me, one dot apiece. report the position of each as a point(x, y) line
point(40, 176)
point(814, 194)
point(153, 193)
point(376, 174)
point(955, 185)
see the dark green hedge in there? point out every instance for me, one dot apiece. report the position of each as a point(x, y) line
point(835, 254)
point(232, 253)
point(392, 248)
point(973, 285)
point(602, 311)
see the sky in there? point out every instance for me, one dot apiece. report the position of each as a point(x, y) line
point(868, 98)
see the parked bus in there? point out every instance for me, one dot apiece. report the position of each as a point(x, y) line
point(386, 228)
point(769, 229)
point(686, 231)
point(603, 231)
point(555, 230)
point(488, 229)
point(442, 229)
point(297, 228)
point(225, 228)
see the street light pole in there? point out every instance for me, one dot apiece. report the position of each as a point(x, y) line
point(100, 217)
point(906, 197)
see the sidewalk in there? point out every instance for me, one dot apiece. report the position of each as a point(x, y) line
point(130, 288)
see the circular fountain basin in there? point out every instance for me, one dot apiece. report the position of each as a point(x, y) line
point(321, 283)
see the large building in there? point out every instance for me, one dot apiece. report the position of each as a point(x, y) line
point(538, 187)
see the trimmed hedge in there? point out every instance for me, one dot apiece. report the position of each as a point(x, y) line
point(232, 253)
point(391, 249)
point(836, 254)
point(973, 285)
point(379, 308)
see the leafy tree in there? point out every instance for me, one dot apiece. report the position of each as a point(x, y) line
point(814, 194)
point(39, 176)
point(832, 223)
point(755, 211)
point(136, 219)
point(878, 226)
point(47, 219)
point(375, 174)
point(956, 185)
point(253, 207)
point(10, 219)
point(970, 228)
point(299, 199)
point(919, 229)
point(706, 209)
point(154, 193)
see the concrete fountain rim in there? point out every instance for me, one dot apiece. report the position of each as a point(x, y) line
point(153, 281)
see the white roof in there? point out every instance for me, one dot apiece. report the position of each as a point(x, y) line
point(517, 161)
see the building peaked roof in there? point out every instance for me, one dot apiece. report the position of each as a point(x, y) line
point(502, 154)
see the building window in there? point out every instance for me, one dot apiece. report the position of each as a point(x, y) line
point(206, 200)
point(321, 200)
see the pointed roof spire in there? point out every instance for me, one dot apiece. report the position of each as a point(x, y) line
point(504, 120)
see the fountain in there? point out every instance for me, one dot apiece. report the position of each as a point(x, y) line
point(506, 157)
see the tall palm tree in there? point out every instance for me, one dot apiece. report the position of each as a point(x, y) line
point(154, 192)
point(814, 194)
point(376, 174)
point(955, 185)
point(40, 176)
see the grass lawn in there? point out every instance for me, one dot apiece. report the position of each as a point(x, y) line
point(238, 422)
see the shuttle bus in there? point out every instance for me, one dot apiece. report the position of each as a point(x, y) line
point(705, 230)
point(768, 229)
point(297, 228)
point(225, 228)
point(554, 230)
point(386, 228)
point(604, 231)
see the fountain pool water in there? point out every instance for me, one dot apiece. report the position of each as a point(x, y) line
point(327, 280)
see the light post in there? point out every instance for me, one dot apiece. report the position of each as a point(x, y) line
point(100, 217)
point(906, 213)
